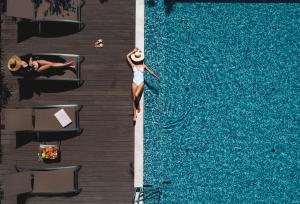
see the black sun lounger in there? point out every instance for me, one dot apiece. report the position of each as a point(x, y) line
point(56, 181)
point(55, 74)
point(41, 11)
point(41, 119)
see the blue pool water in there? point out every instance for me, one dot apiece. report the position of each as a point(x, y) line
point(223, 126)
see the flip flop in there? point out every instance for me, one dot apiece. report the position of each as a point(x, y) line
point(99, 41)
point(99, 45)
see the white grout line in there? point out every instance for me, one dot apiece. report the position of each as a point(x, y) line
point(139, 126)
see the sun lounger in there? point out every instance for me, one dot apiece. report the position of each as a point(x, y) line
point(39, 119)
point(58, 11)
point(43, 181)
point(54, 74)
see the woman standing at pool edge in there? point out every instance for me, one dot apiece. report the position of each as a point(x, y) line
point(136, 60)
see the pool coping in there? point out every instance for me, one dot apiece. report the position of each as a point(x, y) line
point(139, 126)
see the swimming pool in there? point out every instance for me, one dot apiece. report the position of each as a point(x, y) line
point(223, 124)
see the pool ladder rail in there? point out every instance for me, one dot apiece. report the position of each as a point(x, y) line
point(146, 192)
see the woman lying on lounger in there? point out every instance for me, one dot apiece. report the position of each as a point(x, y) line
point(136, 60)
point(30, 64)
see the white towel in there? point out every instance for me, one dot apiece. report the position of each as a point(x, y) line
point(63, 118)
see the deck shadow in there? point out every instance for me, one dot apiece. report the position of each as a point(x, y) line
point(21, 199)
point(170, 3)
point(131, 169)
point(0, 156)
point(49, 29)
point(26, 29)
point(58, 136)
point(27, 87)
point(58, 29)
point(3, 6)
point(23, 138)
point(103, 1)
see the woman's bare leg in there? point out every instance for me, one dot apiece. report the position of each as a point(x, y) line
point(134, 88)
point(138, 94)
point(47, 64)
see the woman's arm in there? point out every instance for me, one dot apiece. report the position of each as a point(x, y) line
point(30, 61)
point(152, 72)
point(128, 57)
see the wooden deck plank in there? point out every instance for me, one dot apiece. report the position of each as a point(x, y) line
point(105, 147)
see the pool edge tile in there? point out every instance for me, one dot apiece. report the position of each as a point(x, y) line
point(139, 126)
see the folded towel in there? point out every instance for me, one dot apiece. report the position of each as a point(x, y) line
point(63, 118)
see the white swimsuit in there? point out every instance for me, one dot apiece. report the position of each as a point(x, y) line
point(138, 75)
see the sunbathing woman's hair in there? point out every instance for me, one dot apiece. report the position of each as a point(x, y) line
point(14, 63)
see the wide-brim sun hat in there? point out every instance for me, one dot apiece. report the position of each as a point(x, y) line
point(14, 63)
point(137, 56)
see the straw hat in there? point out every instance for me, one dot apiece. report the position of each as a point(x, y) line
point(14, 63)
point(137, 56)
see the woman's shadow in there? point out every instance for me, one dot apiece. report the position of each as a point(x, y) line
point(153, 89)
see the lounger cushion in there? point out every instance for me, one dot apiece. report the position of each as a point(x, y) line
point(45, 119)
point(20, 9)
point(18, 119)
point(54, 181)
point(25, 9)
point(68, 14)
point(18, 183)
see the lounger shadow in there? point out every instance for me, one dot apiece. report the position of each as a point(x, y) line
point(23, 138)
point(40, 119)
point(29, 88)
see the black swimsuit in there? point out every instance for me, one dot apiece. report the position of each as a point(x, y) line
point(28, 71)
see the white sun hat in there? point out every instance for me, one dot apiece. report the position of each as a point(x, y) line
point(137, 56)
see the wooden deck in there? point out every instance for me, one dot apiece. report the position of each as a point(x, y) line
point(105, 147)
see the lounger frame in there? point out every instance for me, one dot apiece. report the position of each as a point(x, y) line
point(76, 129)
point(78, 21)
point(76, 189)
point(80, 4)
point(79, 60)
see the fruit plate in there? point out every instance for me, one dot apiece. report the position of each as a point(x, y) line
point(48, 152)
